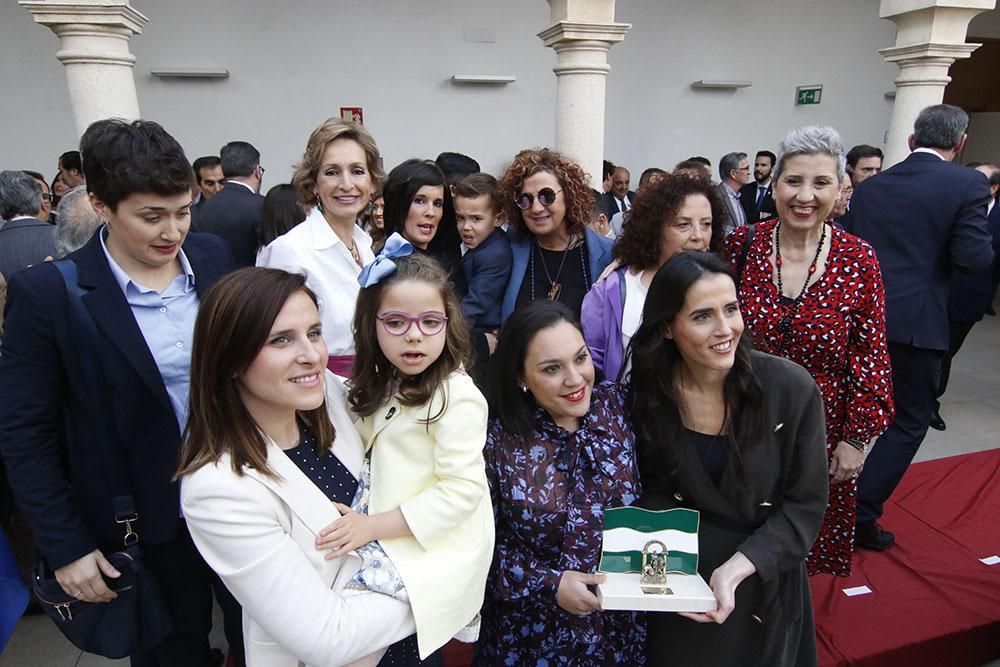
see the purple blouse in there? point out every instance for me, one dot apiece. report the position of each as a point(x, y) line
point(549, 492)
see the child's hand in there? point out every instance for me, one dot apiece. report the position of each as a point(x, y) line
point(347, 533)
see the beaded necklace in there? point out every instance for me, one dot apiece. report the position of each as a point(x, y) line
point(555, 286)
point(789, 311)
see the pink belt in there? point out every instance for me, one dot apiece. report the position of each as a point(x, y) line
point(341, 365)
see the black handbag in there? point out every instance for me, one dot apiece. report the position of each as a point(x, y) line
point(138, 619)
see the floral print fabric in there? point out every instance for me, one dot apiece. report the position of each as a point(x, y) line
point(549, 492)
point(838, 335)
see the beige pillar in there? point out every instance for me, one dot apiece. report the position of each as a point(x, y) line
point(93, 36)
point(581, 34)
point(930, 36)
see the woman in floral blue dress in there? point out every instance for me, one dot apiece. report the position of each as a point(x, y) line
point(557, 454)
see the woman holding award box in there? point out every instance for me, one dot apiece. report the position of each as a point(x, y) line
point(739, 436)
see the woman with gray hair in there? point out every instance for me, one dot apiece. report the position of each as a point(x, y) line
point(812, 293)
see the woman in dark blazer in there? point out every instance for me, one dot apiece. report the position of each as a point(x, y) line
point(739, 436)
point(100, 362)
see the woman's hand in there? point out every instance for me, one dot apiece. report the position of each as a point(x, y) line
point(723, 583)
point(82, 578)
point(347, 533)
point(573, 594)
point(846, 463)
point(608, 270)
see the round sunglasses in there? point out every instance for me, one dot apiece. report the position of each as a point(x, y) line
point(546, 197)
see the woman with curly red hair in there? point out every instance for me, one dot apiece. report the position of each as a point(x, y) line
point(677, 212)
point(548, 201)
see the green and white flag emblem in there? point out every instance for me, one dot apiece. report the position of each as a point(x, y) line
point(628, 529)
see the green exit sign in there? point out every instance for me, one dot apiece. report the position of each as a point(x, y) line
point(808, 95)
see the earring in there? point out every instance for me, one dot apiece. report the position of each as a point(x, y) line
point(524, 388)
point(319, 204)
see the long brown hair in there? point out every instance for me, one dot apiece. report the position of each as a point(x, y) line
point(233, 324)
point(374, 376)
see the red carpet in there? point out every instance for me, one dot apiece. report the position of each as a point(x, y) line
point(933, 602)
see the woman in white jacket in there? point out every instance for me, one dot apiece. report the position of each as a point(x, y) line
point(269, 446)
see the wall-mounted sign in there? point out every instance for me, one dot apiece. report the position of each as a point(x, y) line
point(352, 114)
point(808, 95)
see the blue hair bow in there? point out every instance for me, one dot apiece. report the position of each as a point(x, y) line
point(395, 247)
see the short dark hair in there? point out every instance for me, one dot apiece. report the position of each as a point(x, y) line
point(480, 184)
point(205, 162)
point(860, 151)
point(121, 158)
point(36, 175)
point(401, 187)
point(280, 213)
point(700, 159)
point(769, 155)
point(940, 126)
point(456, 166)
point(514, 407)
point(607, 169)
point(648, 173)
point(71, 160)
point(238, 159)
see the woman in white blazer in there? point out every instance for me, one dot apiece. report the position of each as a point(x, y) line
point(261, 400)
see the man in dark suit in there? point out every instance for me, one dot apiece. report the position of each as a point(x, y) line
point(209, 178)
point(24, 239)
point(925, 217)
point(138, 282)
point(970, 295)
point(619, 199)
point(234, 212)
point(755, 196)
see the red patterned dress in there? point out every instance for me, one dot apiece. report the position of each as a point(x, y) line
point(838, 334)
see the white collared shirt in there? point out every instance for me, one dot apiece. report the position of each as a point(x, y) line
point(931, 151)
point(313, 249)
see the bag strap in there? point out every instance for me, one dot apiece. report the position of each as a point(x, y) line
point(123, 503)
point(744, 251)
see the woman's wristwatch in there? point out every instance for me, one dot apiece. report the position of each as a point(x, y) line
point(858, 444)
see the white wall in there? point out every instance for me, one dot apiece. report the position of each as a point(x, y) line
point(296, 62)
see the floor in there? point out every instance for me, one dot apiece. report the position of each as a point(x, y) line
point(971, 408)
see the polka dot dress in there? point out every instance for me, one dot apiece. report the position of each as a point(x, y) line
point(838, 334)
point(339, 485)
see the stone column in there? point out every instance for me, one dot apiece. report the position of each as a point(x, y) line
point(581, 34)
point(930, 36)
point(93, 36)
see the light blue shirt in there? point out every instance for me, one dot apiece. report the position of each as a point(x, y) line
point(167, 323)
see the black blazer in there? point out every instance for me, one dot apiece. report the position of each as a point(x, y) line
point(47, 436)
point(972, 293)
point(748, 199)
point(771, 513)
point(233, 214)
point(925, 217)
point(610, 203)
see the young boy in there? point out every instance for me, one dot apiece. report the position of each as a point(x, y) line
point(486, 257)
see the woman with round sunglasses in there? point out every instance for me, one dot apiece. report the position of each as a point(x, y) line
point(556, 255)
point(812, 293)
